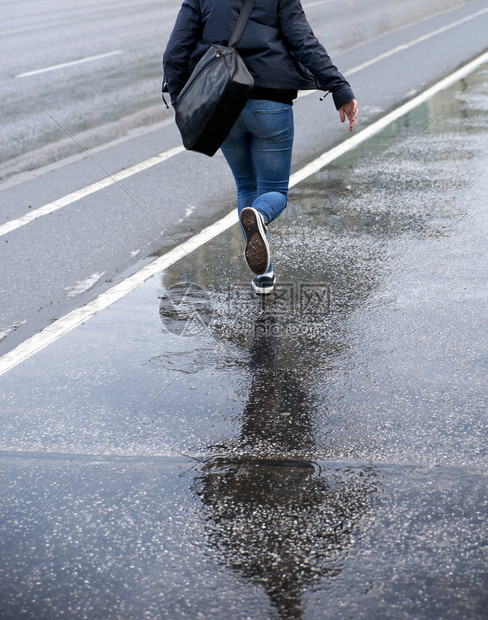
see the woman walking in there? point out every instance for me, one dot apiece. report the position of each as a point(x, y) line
point(283, 56)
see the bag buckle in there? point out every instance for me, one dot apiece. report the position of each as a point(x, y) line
point(164, 89)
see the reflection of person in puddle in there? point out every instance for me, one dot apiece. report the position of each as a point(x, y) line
point(278, 411)
point(280, 521)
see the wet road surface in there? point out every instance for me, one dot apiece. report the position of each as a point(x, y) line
point(55, 261)
point(115, 88)
point(196, 452)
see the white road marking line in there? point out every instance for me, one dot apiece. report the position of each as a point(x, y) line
point(401, 48)
point(380, 124)
point(425, 37)
point(65, 324)
point(132, 134)
point(76, 317)
point(86, 191)
point(67, 64)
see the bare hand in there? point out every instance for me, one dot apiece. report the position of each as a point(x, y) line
point(349, 109)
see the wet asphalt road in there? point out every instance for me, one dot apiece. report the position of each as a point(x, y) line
point(63, 260)
point(195, 452)
point(106, 98)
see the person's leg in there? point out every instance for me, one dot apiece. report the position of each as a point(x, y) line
point(258, 150)
point(272, 145)
point(237, 152)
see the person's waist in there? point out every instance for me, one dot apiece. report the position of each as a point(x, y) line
point(274, 94)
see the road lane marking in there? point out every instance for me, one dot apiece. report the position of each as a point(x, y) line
point(68, 64)
point(386, 120)
point(51, 207)
point(406, 46)
point(131, 134)
point(65, 324)
point(401, 48)
point(76, 317)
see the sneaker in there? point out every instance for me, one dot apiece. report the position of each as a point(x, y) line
point(263, 285)
point(257, 248)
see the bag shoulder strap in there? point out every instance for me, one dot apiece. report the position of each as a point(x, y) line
point(241, 23)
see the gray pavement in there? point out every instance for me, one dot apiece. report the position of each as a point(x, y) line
point(196, 452)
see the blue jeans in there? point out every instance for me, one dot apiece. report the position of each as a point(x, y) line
point(258, 150)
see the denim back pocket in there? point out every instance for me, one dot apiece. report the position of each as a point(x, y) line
point(275, 124)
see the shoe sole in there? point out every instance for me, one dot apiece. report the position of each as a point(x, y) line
point(257, 248)
point(262, 290)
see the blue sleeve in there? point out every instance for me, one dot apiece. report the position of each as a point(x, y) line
point(182, 41)
point(301, 40)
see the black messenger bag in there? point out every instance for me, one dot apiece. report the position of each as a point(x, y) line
point(215, 93)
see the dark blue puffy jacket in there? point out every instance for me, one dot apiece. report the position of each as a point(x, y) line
point(278, 46)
